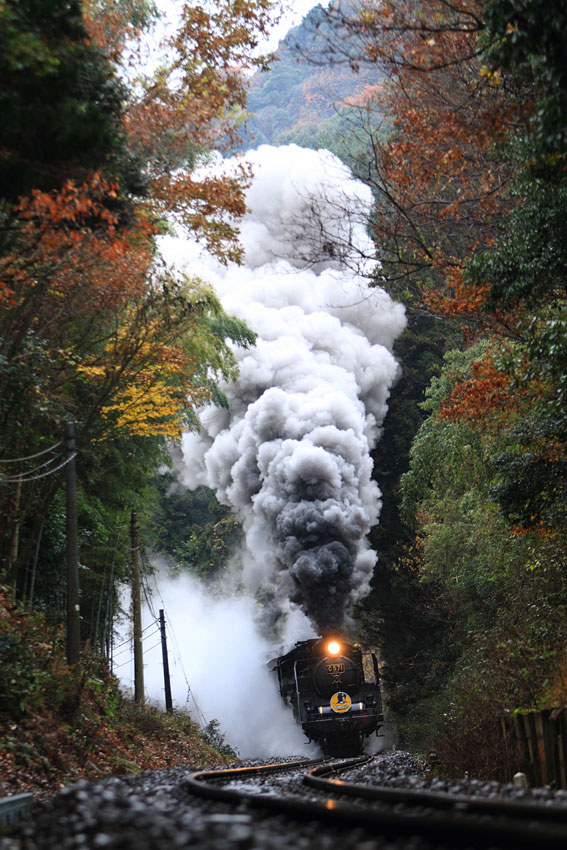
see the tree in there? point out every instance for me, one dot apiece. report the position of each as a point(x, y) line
point(501, 582)
point(61, 102)
point(469, 172)
point(93, 327)
point(190, 103)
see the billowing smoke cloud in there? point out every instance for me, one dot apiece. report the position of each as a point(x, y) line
point(218, 665)
point(292, 455)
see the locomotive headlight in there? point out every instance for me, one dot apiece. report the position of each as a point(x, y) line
point(333, 647)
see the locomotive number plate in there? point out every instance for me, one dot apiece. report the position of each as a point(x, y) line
point(333, 669)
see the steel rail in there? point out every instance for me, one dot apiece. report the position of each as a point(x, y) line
point(458, 825)
point(432, 799)
point(203, 783)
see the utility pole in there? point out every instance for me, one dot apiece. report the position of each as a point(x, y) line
point(73, 644)
point(137, 612)
point(166, 679)
point(15, 535)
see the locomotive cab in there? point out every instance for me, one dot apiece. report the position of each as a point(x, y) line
point(334, 692)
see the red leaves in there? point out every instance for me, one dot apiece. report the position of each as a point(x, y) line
point(441, 180)
point(67, 243)
point(487, 392)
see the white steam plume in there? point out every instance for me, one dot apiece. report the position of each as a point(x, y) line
point(292, 454)
point(215, 648)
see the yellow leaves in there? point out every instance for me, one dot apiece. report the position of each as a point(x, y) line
point(92, 371)
point(154, 403)
point(493, 76)
point(147, 371)
point(148, 408)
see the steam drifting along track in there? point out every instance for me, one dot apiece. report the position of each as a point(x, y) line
point(469, 821)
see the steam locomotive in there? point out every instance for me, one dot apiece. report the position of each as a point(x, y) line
point(333, 689)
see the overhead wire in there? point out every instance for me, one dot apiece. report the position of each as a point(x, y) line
point(20, 479)
point(36, 468)
point(31, 457)
point(178, 658)
point(124, 663)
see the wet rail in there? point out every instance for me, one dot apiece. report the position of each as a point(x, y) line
point(391, 811)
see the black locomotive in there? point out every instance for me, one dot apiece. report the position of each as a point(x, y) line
point(333, 689)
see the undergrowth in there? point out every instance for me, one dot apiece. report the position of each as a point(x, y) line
point(58, 724)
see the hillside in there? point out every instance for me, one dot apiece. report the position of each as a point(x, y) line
point(58, 725)
point(310, 93)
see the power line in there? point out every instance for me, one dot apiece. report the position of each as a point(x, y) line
point(31, 457)
point(179, 660)
point(147, 565)
point(41, 466)
point(124, 663)
point(19, 479)
point(200, 714)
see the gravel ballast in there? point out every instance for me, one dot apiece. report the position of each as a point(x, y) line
point(152, 811)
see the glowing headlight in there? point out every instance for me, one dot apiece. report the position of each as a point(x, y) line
point(333, 647)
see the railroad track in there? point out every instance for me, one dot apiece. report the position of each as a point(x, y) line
point(384, 811)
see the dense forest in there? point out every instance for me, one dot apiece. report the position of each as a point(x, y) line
point(465, 136)
point(455, 115)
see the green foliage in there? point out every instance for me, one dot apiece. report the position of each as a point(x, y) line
point(529, 263)
point(408, 619)
point(302, 98)
point(501, 588)
point(531, 46)
point(59, 724)
point(31, 675)
point(530, 487)
point(60, 100)
point(197, 532)
point(213, 736)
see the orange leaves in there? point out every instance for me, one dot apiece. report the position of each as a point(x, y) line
point(197, 204)
point(441, 181)
point(194, 102)
point(457, 300)
point(7, 298)
point(67, 246)
point(487, 397)
point(367, 97)
point(73, 204)
point(87, 314)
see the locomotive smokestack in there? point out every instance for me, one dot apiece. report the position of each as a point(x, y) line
point(292, 454)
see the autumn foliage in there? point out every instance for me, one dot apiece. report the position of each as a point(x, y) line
point(57, 727)
point(468, 167)
point(94, 328)
point(440, 181)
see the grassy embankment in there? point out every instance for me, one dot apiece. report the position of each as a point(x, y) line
point(59, 725)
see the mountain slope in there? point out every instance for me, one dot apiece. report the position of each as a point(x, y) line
point(309, 95)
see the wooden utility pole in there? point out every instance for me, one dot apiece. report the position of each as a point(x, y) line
point(166, 678)
point(73, 645)
point(15, 534)
point(137, 612)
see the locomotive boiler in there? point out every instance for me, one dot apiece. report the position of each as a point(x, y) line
point(333, 689)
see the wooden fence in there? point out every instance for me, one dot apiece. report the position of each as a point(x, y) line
point(537, 745)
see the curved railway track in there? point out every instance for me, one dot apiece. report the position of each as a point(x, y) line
point(383, 811)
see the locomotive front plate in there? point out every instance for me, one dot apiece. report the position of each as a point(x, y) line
point(340, 702)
